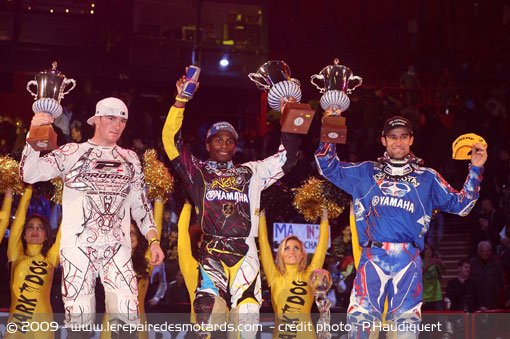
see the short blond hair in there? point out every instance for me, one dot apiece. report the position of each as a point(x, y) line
point(280, 265)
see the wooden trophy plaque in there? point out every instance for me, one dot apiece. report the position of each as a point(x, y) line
point(333, 129)
point(296, 118)
point(42, 138)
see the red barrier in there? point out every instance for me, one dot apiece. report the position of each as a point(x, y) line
point(478, 313)
point(458, 313)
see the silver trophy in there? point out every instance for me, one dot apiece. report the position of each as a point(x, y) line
point(51, 85)
point(274, 77)
point(320, 281)
point(337, 82)
point(50, 90)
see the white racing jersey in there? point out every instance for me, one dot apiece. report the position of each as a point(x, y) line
point(103, 188)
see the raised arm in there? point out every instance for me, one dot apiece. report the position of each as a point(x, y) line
point(172, 139)
point(5, 212)
point(15, 246)
point(53, 252)
point(34, 168)
point(446, 198)
point(322, 246)
point(343, 174)
point(182, 160)
point(266, 254)
point(291, 142)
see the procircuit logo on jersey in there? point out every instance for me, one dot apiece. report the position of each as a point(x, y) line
point(108, 165)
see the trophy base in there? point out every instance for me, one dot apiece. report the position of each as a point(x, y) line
point(42, 138)
point(296, 118)
point(333, 130)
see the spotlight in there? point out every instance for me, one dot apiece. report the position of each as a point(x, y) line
point(224, 62)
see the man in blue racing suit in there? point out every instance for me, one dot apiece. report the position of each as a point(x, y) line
point(393, 201)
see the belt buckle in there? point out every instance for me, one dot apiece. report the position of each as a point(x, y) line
point(377, 244)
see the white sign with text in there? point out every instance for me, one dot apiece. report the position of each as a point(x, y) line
point(307, 233)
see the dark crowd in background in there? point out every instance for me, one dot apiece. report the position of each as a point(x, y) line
point(431, 75)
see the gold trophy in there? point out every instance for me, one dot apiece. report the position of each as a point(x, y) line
point(320, 282)
point(50, 90)
point(338, 81)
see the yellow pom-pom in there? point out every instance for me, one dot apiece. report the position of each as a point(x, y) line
point(57, 193)
point(334, 210)
point(309, 200)
point(9, 176)
point(160, 182)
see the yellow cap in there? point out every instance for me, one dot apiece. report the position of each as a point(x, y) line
point(462, 146)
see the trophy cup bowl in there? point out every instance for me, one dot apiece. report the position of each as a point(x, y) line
point(337, 82)
point(51, 85)
point(271, 73)
point(320, 281)
point(275, 78)
point(336, 77)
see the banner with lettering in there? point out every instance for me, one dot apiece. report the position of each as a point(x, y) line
point(307, 233)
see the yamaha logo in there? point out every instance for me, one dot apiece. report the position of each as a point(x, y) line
point(375, 201)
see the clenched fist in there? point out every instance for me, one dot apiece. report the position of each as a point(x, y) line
point(40, 119)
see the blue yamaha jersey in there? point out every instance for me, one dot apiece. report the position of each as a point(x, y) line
point(389, 210)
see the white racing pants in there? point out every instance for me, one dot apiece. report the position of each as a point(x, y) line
point(80, 268)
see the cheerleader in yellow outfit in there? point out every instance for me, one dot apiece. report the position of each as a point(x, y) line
point(33, 261)
point(5, 212)
point(291, 296)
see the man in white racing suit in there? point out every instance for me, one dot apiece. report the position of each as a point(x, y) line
point(104, 187)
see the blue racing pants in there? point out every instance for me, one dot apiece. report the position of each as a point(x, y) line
point(392, 271)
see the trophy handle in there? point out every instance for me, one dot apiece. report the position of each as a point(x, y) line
point(352, 78)
point(255, 78)
point(67, 82)
point(320, 77)
point(32, 82)
point(296, 81)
